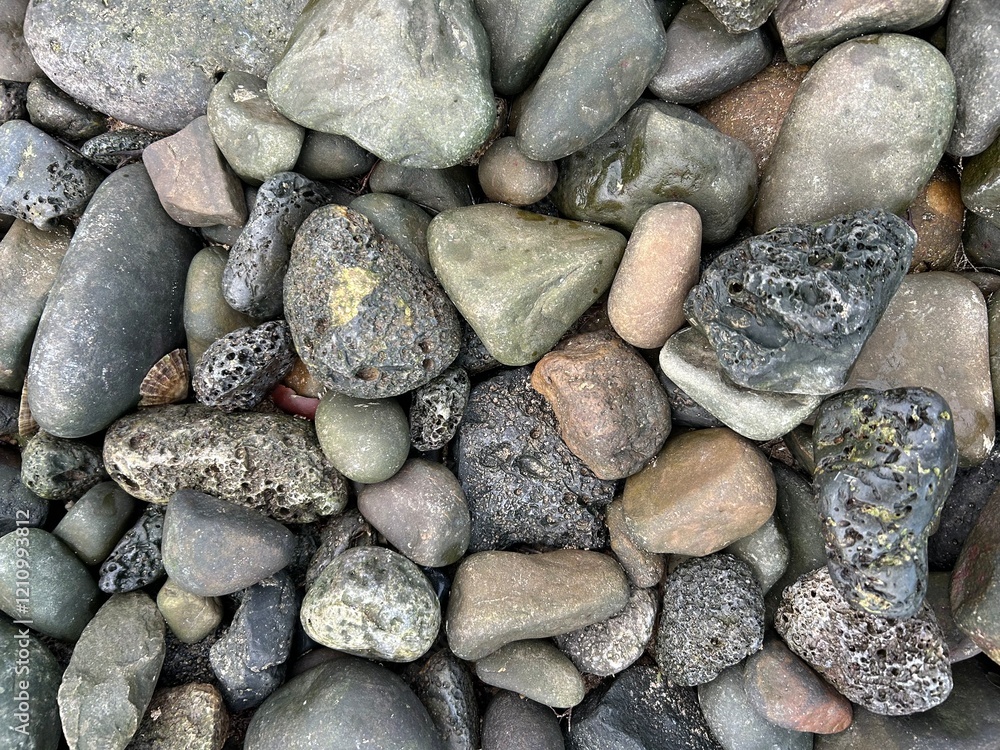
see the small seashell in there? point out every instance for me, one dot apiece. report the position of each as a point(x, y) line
point(167, 381)
point(26, 425)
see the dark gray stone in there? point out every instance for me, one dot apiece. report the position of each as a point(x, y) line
point(789, 310)
point(136, 560)
point(54, 112)
point(255, 271)
point(437, 408)
point(512, 722)
point(151, 65)
point(28, 668)
point(434, 189)
point(981, 183)
point(473, 356)
point(973, 36)
point(114, 310)
point(981, 241)
point(340, 533)
point(885, 461)
point(187, 662)
point(684, 410)
point(331, 156)
point(60, 469)
point(657, 153)
point(249, 658)
point(399, 220)
point(95, 523)
point(365, 319)
point(13, 101)
point(522, 483)
point(119, 146)
point(444, 685)
point(19, 506)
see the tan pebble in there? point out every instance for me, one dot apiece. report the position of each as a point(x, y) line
point(508, 176)
point(937, 215)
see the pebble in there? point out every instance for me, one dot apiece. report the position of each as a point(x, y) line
point(437, 408)
point(444, 686)
point(937, 215)
point(367, 440)
point(704, 59)
point(512, 722)
point(974, 601)
point(521, 279)
point(114, 310)
point(677, 156)
point(973, 35)
point(659, 267)
point(136, 560)
point(253, 282)
point(194, 184)
point(522, 484)
point(508, 176)
point(712, 617)
point(19, 506)
point(270, 462)
point(256, 140)
point(237, 371)
point(95, 523)
point(741, 15)
point(934, 334)
point(644, 569)
point(59, 469)
point(607, 648)
point(365, 320)
point(766, 551)
point(683, 502)
point(344, 699)
point(981, 183)
point(43, 180)
point(212, 547)
point(606, 58)
point(191, 618)
point(117, 147)
point(399, 220)
point(372, 602)
point(331, 156)
point(249, 658)
point(501, 597)
point(363, 73)
point(186, 717)
point(16, 62)
point(960, 646)
point(890, 667)
point(207, 314)
point(789, 310)
point(436, 190)
point(797, 509)
point(535, 669)
point(112, 674)
point(340, 533)
point(40, 673)
point(57, 114)
point(856, 102)
point(421, 511)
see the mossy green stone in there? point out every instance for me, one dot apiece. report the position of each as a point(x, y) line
point(367, 440)
point(27, 667)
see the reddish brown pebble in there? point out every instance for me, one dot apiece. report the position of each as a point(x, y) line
point(660, 265)
point(937, 215)
point(786, 691)
point(612, 412)
point(508, 176)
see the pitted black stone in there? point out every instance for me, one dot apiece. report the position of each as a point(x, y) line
point(117, 146)
point(238, 370)
point(13, 101)
point(437, 408)
point(136, 560)
point(885, 463)
point(789, 310)
point(522, 483)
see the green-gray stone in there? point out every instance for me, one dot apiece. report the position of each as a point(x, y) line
point(658, 153)
point(347, 702)
point(981, 241)
point(29, 260)
point(115, 308)
point(600, 68)
point(981, 183)
point(190, 617)
point(409, 81)
point(866, 129)
point(331, 156)
point(399, 220)
point(535, 669)
point(112, 673)
point(367, 440)
point(60, 469)
point(153, 64)
point(434, 189)
point(58, 595)
point(766, 551)
point(30, 676)
point(521, 279)
point(372, 602)
point(95, 523)
point(54, 112)
point(256, 139)
point(19, 506)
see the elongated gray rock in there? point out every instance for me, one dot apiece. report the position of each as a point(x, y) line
point(409, 81)
point(112, 674)
point(150, 64)
point(973, 38)
point(115, 308)
point(658, 153)
point(866, 129)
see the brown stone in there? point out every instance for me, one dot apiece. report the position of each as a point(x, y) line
point(508, 176)
point(611, 410)
point(934, 335)
point(975, 582)
point(644, 569)
point(195, 185)
point(937, 215)
point(786, 691)
point(753, 111)
point(660, 265)
point(188, 717)
point(705, 490)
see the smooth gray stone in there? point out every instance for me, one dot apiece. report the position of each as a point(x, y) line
point(434, 189)
point(367, 440)
point(16, 62)
point(808, 29)
point(348, 702)
point(586, 86)
point(331, 156)
point(59, 597)
point(112, 674)
point(704, 60)
point(400, 220)
point(409, 81)
point(865, 130)
point(150, 64)
point(29, 673)
point(54, 112)
point(40, 179)
point(523, 34)
point(512, 722)
point(17, 502)
point(657, 153)
point(973, 40)
point(981, 241)
point(981, 183)
point(29, 261)
point(766, 551)
point(535, 669)
point(95, 523)
point(115, 308)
